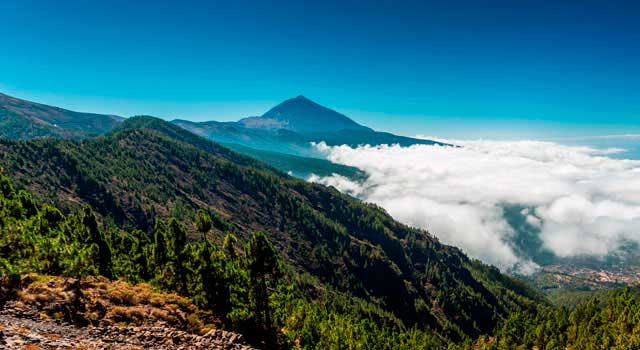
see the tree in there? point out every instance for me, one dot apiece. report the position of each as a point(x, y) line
point(178, 238)
point(97, 237)
point(229, 244)
point(160, 257)
point(265, 269)
point(139, 254)
point(6, 187)
point(212, 284)
point(203, 223)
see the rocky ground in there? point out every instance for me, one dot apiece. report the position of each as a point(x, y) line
point(26, 330)
point(46, 313)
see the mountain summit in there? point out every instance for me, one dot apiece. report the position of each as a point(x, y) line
point(291, 127)
point(300, 114)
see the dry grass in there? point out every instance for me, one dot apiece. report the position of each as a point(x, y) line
point(111, 302)
point(124, 297)
point(130, 315)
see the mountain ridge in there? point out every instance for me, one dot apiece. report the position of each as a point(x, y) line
point(285, 132)
point(22, 119)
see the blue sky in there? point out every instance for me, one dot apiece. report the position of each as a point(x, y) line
point(506, 69)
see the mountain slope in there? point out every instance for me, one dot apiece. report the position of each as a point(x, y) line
point(21, 119)
point(282, 141)
point(148, 168)
point(301, 167)
point(302, 115)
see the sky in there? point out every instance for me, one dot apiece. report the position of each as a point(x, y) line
point(458, 69)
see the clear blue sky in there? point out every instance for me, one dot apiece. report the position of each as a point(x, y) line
point(453, 68)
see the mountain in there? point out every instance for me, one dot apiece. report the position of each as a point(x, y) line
point(147, 169)
point(302, 115)
point(291, 127)
point(281, 137)
point(21, 119)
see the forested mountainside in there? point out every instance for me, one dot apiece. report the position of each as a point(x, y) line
point(301, 167)
point(248, 290)
point(21, 119)
point(149, 169)
point(612, 322)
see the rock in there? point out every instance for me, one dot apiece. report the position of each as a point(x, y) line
point(232, 338)
point(20, 330)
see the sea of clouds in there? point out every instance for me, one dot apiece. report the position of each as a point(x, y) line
point(580, 201)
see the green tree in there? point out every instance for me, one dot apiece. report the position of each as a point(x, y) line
point(97, 237)
point(265, 270)
point(229, 245)
point(178, 238)
point(203, 223)
point(160, 257)
point(139, 254)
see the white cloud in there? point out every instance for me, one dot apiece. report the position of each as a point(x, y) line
point(607, 137)
point(583, 202)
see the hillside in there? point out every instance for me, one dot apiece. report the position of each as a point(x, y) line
point(281, 141)
point(149, 169)
point(21, 119)
point(301, 167)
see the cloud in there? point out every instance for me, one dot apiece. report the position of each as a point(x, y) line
point(607, 137)
point(579, 201)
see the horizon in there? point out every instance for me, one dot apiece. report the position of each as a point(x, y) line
point(624, 135)
point(561, 70)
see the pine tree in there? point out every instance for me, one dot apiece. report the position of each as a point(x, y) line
point(228, 245)
point(178, 238)
point(97, 237)
point(264, 270)
point(160, 252)
point(203, 223)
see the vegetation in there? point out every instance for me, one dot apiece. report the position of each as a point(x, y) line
point(252, 292)
point(298, 166)
point(309, 268)
point(148, 171)
point(590, 325)
point(20, 119)
point(96, 300)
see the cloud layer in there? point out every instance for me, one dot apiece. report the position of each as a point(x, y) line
point(577, 200)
